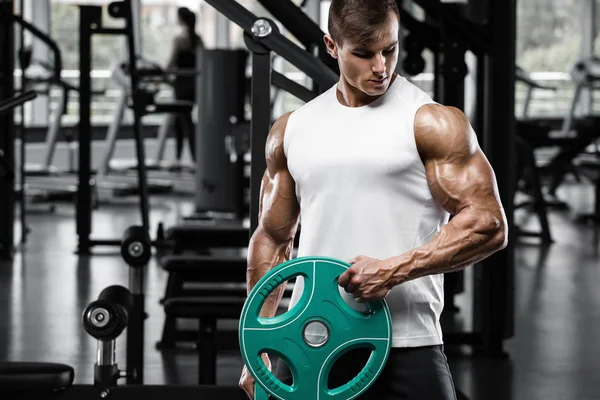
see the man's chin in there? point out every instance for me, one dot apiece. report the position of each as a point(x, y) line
point(375, 91)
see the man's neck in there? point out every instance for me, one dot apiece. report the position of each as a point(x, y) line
point(350, 96)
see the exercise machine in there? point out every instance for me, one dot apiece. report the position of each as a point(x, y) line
point(44, 180)
point(147, 89)
point(528, 178)
point(90, 25)
point(586, 74)
point(7, 127)
point(31, 182)
point(7, 173)
point(160, 172)
point(17, 101)
point(38, 72)
point(574, 138)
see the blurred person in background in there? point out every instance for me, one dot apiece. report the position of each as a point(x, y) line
point(184, 49)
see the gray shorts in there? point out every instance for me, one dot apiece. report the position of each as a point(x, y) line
point(413, 373)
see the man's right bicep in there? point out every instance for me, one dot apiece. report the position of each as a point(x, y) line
point(279, 208)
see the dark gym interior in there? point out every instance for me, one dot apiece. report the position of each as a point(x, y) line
point(104, 217)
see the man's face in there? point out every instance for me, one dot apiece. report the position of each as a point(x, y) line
point(369, 68)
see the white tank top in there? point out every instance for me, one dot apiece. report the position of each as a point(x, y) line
point(362, 190)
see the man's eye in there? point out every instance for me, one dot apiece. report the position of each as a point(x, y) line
point(391, 50)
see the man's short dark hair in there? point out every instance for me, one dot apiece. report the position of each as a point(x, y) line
point(359, 19)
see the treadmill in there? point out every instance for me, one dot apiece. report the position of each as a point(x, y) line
point(45, 182)
point(34, 188)
point(181, 177)
point(573, 137)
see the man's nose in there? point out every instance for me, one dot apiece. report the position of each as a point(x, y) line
point(379, 65)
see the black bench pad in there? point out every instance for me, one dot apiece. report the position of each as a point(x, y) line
point(30, 377)
point(206, 268)
point(210, 234)
point(192, 262)
point(196, 307)
point(213, 234)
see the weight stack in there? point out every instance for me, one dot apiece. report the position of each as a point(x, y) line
point(221, 93)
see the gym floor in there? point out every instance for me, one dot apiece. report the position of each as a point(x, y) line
point(552, 356)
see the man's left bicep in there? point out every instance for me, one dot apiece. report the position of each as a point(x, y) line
point(463, 180)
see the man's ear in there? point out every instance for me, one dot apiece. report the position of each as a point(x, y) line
point(331, 46)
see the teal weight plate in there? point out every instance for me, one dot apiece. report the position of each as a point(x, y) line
point(343, 327)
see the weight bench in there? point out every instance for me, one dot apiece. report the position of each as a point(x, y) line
point(198, 268)
point(208, 234)
point(221, 273)
point(30, 377)
point(207, 310)
point(202, 268)
point(201, 235)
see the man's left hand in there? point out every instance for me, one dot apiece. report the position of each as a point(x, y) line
point(368, 279)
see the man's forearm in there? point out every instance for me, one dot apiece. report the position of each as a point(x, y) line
point(264, 253)
point(468, 238)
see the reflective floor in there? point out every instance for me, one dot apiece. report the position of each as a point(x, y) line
point(554, 354)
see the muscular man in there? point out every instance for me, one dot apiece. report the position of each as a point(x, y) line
point(372, 169)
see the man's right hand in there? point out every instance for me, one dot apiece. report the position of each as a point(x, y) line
point(247, 380)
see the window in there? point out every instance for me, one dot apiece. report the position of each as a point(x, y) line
point(158, 26)
point(548, 34)
point(549, 42)
point(107, 51)
point(64, 28)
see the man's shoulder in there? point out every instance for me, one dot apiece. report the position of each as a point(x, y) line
point(279, 126)
point(435, 115)
point(274, 148)
point(441, 130)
